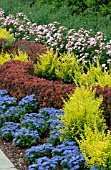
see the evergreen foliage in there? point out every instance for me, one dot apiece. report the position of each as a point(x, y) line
point(22, 56)
point(96, 148)
point(63, 67)
point(81, 109)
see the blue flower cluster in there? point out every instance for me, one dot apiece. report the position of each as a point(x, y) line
point(26, 126)
point(50, 112)
point(54, 134)
point(39, 151)
point(8, 129)
point(34, 121)
point(70, 155)
point(65, 155)
point(29, 103)
point(13, 114)
point(52, 117)
point(44, 163)
point(3, 93)
point(6, 102)
point(25, 137)
point(2, 119)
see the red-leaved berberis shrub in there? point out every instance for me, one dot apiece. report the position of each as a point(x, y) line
point(31, 48)
point(105, 92)
point(17, 77)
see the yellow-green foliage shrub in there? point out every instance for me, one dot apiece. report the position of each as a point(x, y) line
point(4, 57)
point(21, 56)
point(7, 36)
point(62, 67)
point(47, 65)
point(81, 108)
point(94, 76)
point(96, 148)
point(67, 67)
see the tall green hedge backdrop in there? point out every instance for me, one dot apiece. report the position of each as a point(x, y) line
point(88, 14)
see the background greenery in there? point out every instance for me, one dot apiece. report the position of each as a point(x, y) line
point(89, 14)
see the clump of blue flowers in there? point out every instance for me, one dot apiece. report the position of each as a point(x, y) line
point(39, 151)
point(44, 163)
point(34, 121)
point(6, 102)
point(54, 134)
point(26, 126)
point(52, 118)
point(50, 112)
point(3, 93)
point(71, 156)
point(29, 103)
point(13, 114)
point(24, 137)
point(65, 156)
point(8, 129)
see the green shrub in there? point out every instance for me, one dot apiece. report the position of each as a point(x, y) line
point(47, 13)
point(13, 7)
point(53, 3)
point(68, 67)
point(62, 67)
point(82, 108)
point(22, 56)
point(4, 57)
point(4, 34)
point(96, 148)
point(94, 76)
point(47, 65)
point(78, 6)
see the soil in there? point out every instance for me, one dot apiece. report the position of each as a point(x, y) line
point(15, 154)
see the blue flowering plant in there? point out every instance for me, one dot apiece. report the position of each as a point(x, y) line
point(65, 156)
point(6, 102)
point(3, 93)
point(71, 157)
point(25, 137)
point(54, 134)
point(13, 114)
point(2, 119)
point(8, 129)
point(27, 128)
point(39, 151)
point(44, 163)
point(34, 121)
point(50, 112)
point(29, 103)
